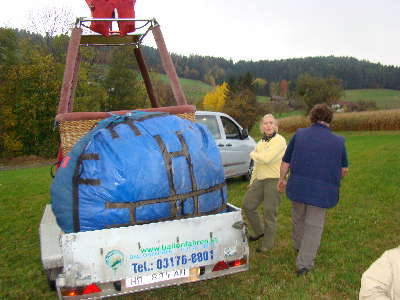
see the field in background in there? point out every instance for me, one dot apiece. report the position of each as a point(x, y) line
point(193, 89)
point(384, 98)
point(367, 120)
point(263, 99)
point(357, 231)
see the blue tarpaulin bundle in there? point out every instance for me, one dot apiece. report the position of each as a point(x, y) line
point(138, 168)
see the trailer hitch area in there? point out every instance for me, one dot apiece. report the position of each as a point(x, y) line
point(239, 225)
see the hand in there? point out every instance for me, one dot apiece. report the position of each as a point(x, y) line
point(344, 171)
point(281, 185)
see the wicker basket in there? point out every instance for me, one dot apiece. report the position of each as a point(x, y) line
point(74, 126)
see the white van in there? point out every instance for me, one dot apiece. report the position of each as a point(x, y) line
point(233, 141)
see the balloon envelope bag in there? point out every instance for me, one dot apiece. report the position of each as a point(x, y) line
point(138, 168)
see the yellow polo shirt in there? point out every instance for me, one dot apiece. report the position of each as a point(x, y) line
point(267, 157)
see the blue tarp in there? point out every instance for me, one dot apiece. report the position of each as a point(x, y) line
point(138, 168)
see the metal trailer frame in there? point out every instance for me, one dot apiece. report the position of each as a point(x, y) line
point(72, 64)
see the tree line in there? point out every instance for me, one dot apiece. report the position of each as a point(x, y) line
point(354, 73)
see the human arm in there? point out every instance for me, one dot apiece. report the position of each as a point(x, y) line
point(253, 175)
point(266, 154)
point(376, 280)
point(284, 170)
point(345, 162)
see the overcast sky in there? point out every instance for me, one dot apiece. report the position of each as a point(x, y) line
point(257, 29)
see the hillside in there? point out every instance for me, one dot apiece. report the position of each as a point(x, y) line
point(193, 89)
point(384, 98)
point(355, 73)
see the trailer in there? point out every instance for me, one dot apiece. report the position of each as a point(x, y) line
point(122, 260)
point(117, 261)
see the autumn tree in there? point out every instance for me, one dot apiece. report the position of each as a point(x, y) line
point(261, 86)
point(313, 90)
point(241, 102)
point(8, 50)
point(162, 90)
point(274, 89)
point(283, 88)
point(242, 106)
point(29, 97)
point(215, 100)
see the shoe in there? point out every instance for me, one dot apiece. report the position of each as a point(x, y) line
point(302, 271)
point(255, 238)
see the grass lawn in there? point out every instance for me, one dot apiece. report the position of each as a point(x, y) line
point(263, 99)
point(357, 231)
point(384, 98)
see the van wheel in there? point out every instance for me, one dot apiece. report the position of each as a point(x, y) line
point(247, 177)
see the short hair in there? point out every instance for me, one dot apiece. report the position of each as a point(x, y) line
point(268, 116)
point(321, 112)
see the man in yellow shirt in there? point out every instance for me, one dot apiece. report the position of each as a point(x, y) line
point(267, 157)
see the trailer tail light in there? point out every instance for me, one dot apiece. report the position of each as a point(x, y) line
point(222, 265)
point(70, 293)
point(89, 289)
point(237, 263)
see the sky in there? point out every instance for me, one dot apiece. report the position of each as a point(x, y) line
point(255, 29)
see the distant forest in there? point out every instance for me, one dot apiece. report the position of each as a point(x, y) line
point(354, 73)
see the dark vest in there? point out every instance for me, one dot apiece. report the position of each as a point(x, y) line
point(315, 163)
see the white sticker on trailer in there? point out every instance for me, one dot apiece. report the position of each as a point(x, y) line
point(156, 277)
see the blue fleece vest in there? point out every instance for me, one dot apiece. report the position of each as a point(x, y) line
point(316, 157)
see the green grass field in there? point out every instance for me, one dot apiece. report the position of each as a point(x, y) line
point(194, 90)
point(384, 98)
point(357, 231)
point(263, 99)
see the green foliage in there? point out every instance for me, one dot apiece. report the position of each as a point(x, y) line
point(242, 106)
point(162, 90)
point(8, 51)
point(241, 102)
point(29, 96)
point(261, 86)
point(314, 90)
point(124, 88)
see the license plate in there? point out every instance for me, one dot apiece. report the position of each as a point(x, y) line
point(156, 277)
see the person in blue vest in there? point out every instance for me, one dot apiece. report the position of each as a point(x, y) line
point(317, 160)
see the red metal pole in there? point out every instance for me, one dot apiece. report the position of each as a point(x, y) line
point(146, 77)
point(169, 66)
point(70, 72)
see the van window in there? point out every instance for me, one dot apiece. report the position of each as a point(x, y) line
point(231, 130)
point(211, 123)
